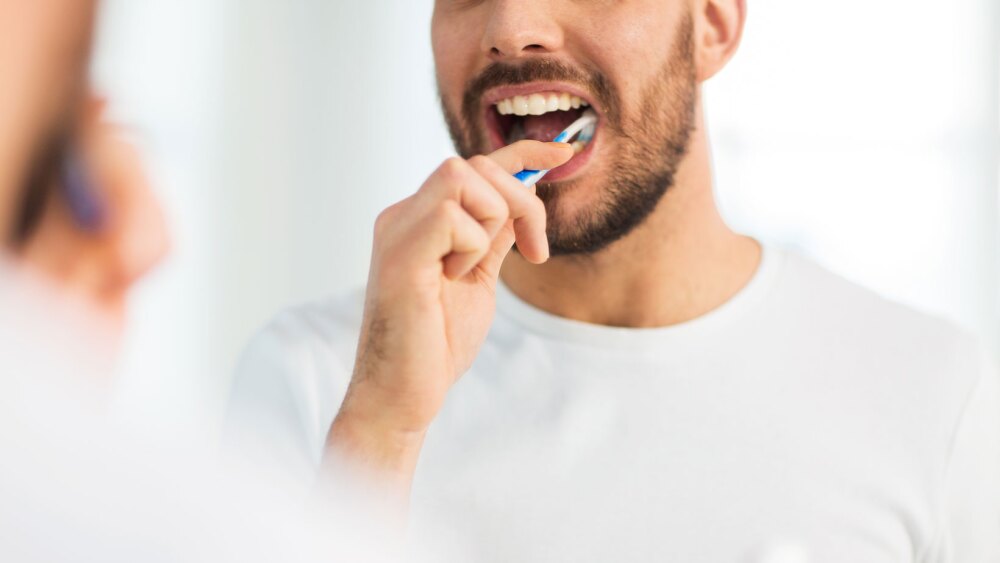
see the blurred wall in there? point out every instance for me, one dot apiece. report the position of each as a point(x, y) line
point(865, 135)
point(161, 64)
point(331, 116)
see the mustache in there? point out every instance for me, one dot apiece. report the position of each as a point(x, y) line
point(539, 70)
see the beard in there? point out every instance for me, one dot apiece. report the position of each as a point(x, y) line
point(646, 146)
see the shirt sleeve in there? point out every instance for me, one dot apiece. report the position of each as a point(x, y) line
point(262, 419)
point(287, 387)
point(972, 487)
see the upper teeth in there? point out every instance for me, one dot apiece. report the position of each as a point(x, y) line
point(539, 104)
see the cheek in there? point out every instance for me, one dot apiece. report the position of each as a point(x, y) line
point(631, 48)
point(449, 77)
point(455, 55)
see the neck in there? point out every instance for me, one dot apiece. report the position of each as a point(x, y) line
point(681, 263)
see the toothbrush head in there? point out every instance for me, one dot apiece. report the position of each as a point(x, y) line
point(587, 133)
point(580, 130)
point(579, 133)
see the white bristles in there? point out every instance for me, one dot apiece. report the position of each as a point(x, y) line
point(587, 120)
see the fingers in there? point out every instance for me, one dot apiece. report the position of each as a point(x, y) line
point(469, 241)
point(138, 233)
point(448, 224)
point(102, 264)
point(526, 209)
point(455, 179)
point(499, 249)
point(447, 235)
point(532, 155)
point(469, 213)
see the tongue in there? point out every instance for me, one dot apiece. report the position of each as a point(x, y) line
point(546, 127)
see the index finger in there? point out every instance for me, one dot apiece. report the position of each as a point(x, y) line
point(532, 155)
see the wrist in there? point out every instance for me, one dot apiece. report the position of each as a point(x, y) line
point(364, 434)
point(370, 465)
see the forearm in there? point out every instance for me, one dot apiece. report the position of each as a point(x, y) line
point(369, 454)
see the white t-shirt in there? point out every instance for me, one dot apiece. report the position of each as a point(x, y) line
point(806, 419)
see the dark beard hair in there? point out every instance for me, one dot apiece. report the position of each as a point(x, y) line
point(652, 143)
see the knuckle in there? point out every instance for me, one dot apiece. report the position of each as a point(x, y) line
point(448, 210)
point(483, 162)
point(385, 220)
point(453, 169)
point(484, 239)
point(480, 240)
point(501, 208)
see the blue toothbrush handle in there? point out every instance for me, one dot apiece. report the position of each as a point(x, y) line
point(525, 174)
point(84, 204)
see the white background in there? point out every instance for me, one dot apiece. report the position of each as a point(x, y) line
point(865, 134)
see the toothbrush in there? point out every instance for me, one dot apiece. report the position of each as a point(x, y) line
point(583, 126)
point(85, 206)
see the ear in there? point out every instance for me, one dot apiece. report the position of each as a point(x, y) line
point(718, 28)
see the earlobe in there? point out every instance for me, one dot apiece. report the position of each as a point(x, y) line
point(718, 30)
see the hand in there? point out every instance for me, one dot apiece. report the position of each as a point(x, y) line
point(431, 296)
point(99, 265)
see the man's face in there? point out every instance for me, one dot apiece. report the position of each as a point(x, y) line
point(631, 61)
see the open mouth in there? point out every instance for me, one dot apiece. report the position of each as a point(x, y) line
point(539, 113)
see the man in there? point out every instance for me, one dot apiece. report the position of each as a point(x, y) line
point(653, 386)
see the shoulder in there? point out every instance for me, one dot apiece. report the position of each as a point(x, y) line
point(307, 340)
point(294, 372)
point(845, 313)
point(318, 324)
point(318, 336)
point(905, 365)
point(928, 387)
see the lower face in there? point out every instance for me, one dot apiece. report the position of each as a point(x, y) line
point(617, 178)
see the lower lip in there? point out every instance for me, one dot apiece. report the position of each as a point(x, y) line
point(567, 171)
point(576, 164)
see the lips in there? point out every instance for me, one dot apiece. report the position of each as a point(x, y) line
point(539, 111)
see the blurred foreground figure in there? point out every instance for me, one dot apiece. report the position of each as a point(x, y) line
point(663, 388)
point(79, 227)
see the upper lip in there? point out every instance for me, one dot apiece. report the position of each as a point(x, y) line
point(495, 95)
